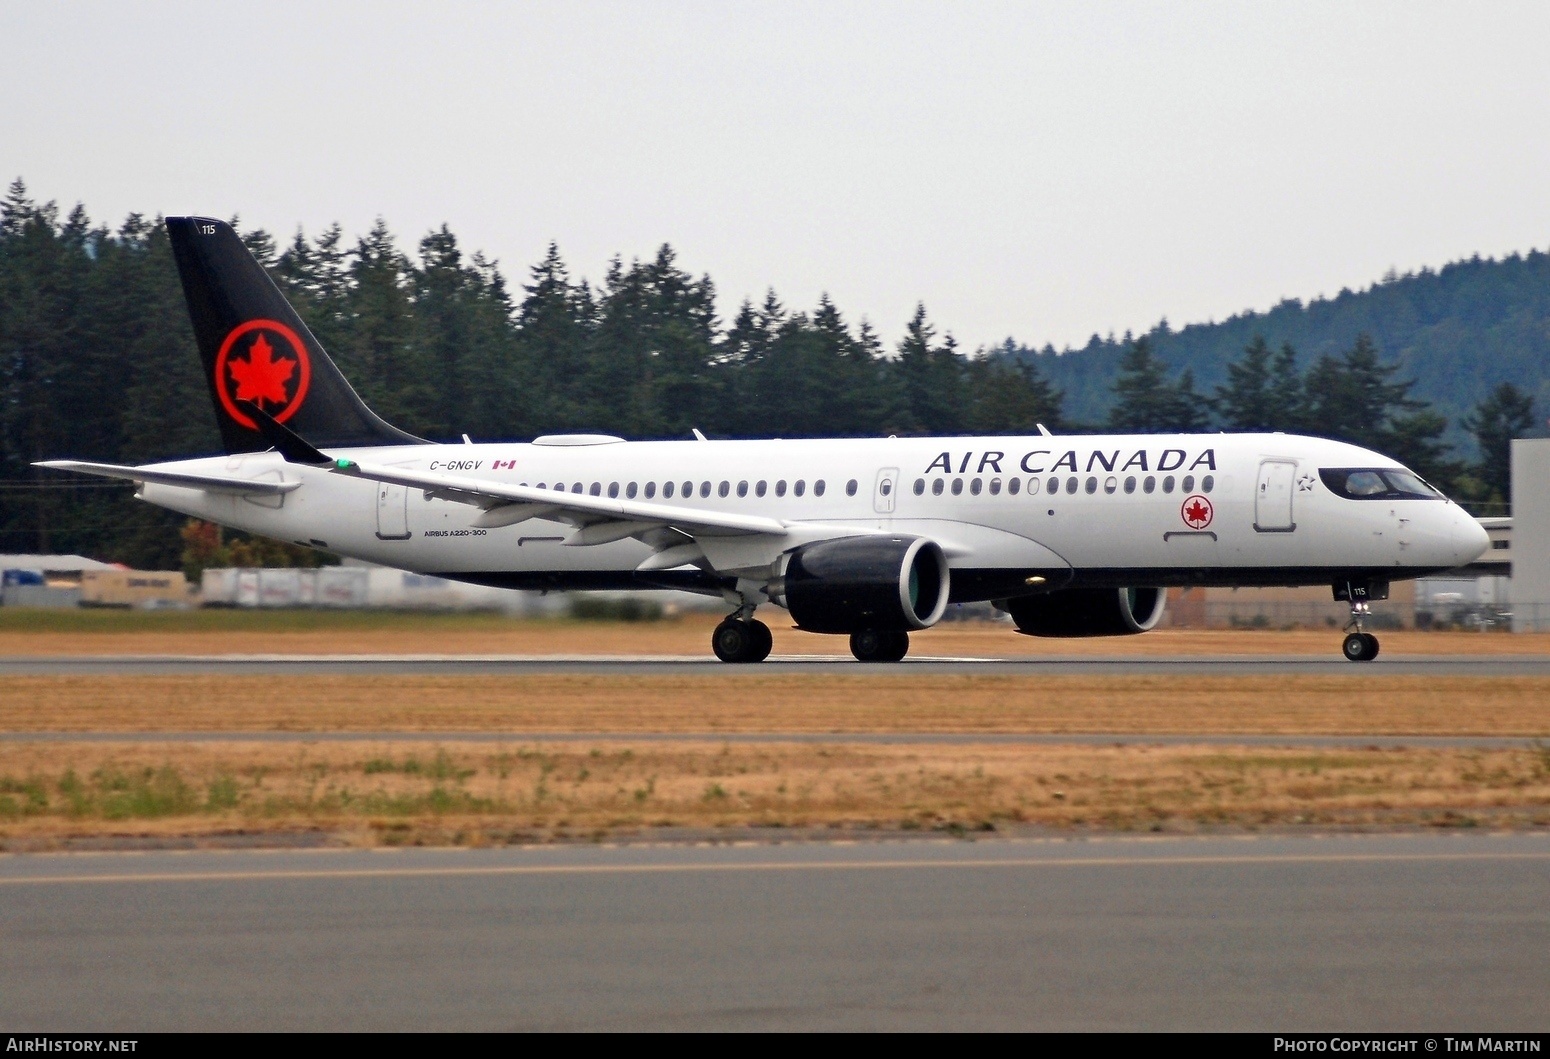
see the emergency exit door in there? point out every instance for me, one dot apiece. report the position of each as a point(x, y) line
point(1273, 497)
point(883, 492)
point(392, 512)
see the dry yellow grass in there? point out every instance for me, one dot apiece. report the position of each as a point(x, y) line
point(375, 792)
point(116, 634)
point(738, 699)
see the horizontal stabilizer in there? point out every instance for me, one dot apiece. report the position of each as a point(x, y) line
point(208, 483)
point(291, 446)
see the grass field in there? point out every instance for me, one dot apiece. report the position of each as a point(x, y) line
point(741, 699)
point(370, 792)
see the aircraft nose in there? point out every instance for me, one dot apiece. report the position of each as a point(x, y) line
point(1469, 538)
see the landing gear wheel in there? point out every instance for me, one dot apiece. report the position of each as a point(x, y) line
point(1360, 647)
point(733, 640)
point(879, 645)
point(763, 641)
point(741, 641)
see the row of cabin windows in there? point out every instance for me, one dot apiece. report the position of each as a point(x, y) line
point(686, 490)
point(938, 485)
point(1072, 484)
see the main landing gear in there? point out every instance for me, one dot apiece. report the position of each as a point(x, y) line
point(879, 645)
point(742, 640)
point(1359, 646)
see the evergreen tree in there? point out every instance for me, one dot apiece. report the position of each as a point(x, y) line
point(1506, 414)
point(1011, 396)
point(1355, 398)
point(1146, 402)
point(931, 378)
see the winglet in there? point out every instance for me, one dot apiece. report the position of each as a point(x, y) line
point(292, 446)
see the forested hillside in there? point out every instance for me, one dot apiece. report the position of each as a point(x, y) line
point(1459, 332)
point(97, 361)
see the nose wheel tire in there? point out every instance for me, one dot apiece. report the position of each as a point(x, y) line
point(742, 641)
point(1360, 647)
point(879, 645)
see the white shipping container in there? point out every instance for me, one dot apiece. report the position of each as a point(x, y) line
point(247, 588)
point(219, 587)
point(279, 588)
point(341, 586)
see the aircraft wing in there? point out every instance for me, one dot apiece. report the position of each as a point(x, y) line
point(209, 483)
point(506, 505)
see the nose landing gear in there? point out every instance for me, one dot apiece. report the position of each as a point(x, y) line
point(1359, 646)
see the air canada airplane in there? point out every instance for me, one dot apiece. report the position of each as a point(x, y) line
point(870, 538)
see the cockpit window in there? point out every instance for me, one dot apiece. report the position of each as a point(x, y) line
point(1377, 483)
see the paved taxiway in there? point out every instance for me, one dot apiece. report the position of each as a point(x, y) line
point(668, 665)
point(1371, 932)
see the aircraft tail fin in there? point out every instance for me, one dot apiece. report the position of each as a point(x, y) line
point(256, 349)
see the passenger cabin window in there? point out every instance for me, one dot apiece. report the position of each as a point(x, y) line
point(1071, 485)
point(975, 486)
point(629, 491)
point(818, 487)
point(957, 486)
point(1014, 484)
point(1092, 485)
point(724, 489)
point(920, 487)
point(850, 487)
point(1377, 483)
point(688, 490)
point(1168, 484)
point(995, 487)
point(1188, 484)
point(1207, 483)
point(597, 489)
point(651, 490)
point(1150, 485)
point(742, 489)
point(704, 489)
point(780, 487)
point(1130, 484)
point(799, 488)
point(613, 490)
point(936, 487)
point(758, 490)
point(1110, 484)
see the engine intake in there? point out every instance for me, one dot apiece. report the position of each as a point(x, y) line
point(853, 583)
point(1089, 611)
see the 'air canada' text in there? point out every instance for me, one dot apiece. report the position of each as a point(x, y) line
point(1044, 461)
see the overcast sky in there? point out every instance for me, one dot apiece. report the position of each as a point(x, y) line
point(1044, 171)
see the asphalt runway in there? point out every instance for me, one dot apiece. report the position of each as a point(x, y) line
point(643, 665)
point(1415, 932)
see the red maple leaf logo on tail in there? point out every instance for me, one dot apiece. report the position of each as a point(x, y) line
point(261, 377)
point(274, 374)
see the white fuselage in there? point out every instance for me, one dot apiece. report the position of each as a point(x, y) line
point(1084, 509)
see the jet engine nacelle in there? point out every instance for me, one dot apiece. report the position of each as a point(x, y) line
point(853, 583)
point(1089, 611)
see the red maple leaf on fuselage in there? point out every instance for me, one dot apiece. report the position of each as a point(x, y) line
point(261, 377)
point(1196, 512)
